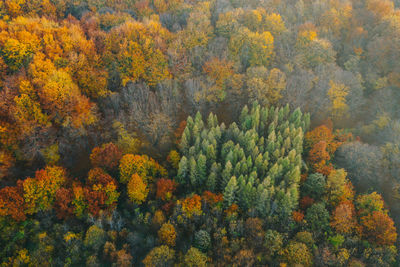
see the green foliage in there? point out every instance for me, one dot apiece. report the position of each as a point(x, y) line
point(202, 240)
point(314, 186)
point(317, 218)
point(95, 237)
point(249, 176)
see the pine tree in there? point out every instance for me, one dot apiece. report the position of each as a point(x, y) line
point(243, 116)
point(193, 172)
point(263, 202)
point(201, 169)
point(226, 175)
point(210, 121)
point(212, 177)
point(185, 142)
point(183, 171)
point(230, 191)
point(211, 155)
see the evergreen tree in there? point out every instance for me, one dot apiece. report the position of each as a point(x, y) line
point(183, 171)
point(193, 175)
point(230, 191)
point(201, 171)
point(226, 175)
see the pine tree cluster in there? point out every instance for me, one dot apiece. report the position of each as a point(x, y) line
point(256, 163)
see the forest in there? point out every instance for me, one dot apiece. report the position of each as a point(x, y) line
point(200, 133)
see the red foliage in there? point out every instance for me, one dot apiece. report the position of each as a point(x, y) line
point(99, 176)
point(306, 202)
point(95, 201)
point(165, 189)
point(12, 203)
point(211, 198)
point(63, 203)
point(168, 207)
point(107, 156)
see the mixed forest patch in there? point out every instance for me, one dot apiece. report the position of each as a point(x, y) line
point(194, 133)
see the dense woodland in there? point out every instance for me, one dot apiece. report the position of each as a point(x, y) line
point(199, 133)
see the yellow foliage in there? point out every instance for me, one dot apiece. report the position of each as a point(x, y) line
point(339, 188)
point(337, 94)
point(28, 113)
point(260, 45)
point(167, 234)
point(39, 192)
point(143, 165)
point(273, 23)
point(137, 189)
point(306, 37)
point(69, 236)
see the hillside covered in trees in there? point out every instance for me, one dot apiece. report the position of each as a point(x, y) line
point(199, 133)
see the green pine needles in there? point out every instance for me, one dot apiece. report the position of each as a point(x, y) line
point(255, 164)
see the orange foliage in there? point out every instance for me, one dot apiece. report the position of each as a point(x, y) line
point(232, 210)
point(378, 227)
point(137, 189)
point(321, 144)
point(12, 203)
point(212, 198)
point(218, 70)
point(343, 218)
point(297, 216)
point(380, 8)
point(319, 153)
point(165, 189)
point(191, 205)
point(158, 218)
point(321, 133)
point(179, 131)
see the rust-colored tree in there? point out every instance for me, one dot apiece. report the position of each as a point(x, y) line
point(343, 219)
point(165, 189)
point(63, 203)
point(107, 156)
point(379, 228)
point(12, 203)
point(191, 205)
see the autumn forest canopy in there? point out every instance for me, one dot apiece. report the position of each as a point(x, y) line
point(199, 133)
